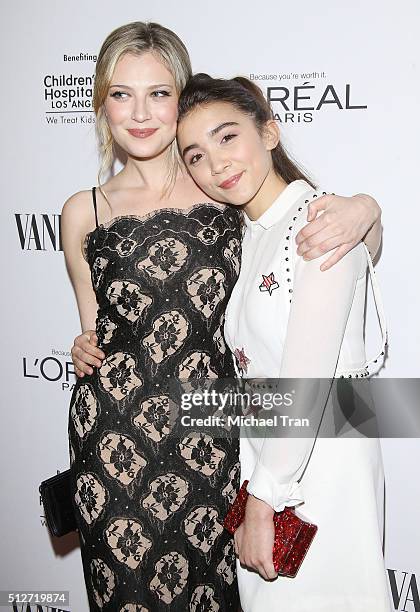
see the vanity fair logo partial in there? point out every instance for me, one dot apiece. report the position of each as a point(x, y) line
point(38, 231)
point(299, 97)
point(404, 590)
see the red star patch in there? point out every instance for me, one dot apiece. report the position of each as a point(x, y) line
point(241, 359)
point(269, 283)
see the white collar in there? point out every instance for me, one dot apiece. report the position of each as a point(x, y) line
point(291, 194)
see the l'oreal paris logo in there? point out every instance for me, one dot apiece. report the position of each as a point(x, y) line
point(299, 103)
point(50, 369)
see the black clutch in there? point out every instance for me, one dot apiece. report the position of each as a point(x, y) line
point(58, 507)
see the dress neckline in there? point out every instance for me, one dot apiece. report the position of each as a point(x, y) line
point(153, 213)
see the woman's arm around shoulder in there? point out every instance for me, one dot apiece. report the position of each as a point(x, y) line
point(336, 224)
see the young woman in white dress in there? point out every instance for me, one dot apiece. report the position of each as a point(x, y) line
point(287, 319)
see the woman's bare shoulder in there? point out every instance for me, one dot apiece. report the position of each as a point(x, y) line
point(78, 209)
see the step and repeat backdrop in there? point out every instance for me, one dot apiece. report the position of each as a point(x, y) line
point(343, 79)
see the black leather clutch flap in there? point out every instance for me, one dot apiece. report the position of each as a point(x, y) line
point(58, 507)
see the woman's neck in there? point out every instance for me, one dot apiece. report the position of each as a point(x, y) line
point(150, 174)
point(267, 194)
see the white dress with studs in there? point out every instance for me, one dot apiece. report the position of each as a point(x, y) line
point(287, 319)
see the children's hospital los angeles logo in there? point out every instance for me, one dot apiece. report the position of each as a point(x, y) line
point(68, 91)
point(298, 97)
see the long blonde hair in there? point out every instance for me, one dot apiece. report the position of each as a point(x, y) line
point(136, 38)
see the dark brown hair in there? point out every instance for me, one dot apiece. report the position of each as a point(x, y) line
point(202, 89)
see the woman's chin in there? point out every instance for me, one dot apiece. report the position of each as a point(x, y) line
point(144, 151)
point(237, 199)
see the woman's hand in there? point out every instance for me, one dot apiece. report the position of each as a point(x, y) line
point(85, 353)
point(342, 225)
point(254, 538)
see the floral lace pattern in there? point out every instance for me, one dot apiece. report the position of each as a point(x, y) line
point(171, 577)
point(98, 269)
point(196, 365)
point(128, 299)
point(133, 607)
point(206, 288)
point(203, 599)
point(127, 542)
point(117, 375)
point(91, 497)
point(120, 458)
point(170, 330)
point(154, 417)
point(167, 493)
point(103, 582)
point(200, 453)
point(229, 491)
point(165, 258)
point(105, 330)
point(84, 411)
point(150, 504)
point(203, 527)
point(233, 254)
point(226, 567)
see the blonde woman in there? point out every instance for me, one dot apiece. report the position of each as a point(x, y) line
point(153, 262)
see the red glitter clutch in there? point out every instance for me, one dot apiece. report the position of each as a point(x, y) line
point(292, 535)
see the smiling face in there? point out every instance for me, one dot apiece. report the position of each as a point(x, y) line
point(225, 153)
point(141, 105)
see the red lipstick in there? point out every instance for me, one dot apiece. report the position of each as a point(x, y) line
point(231, 182)
point(144, 133)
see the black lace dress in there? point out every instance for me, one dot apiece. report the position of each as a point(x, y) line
point(149, 505)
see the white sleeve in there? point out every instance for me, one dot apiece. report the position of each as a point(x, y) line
point(318, 315)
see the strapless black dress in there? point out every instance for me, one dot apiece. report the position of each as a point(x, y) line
point(150, 506)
